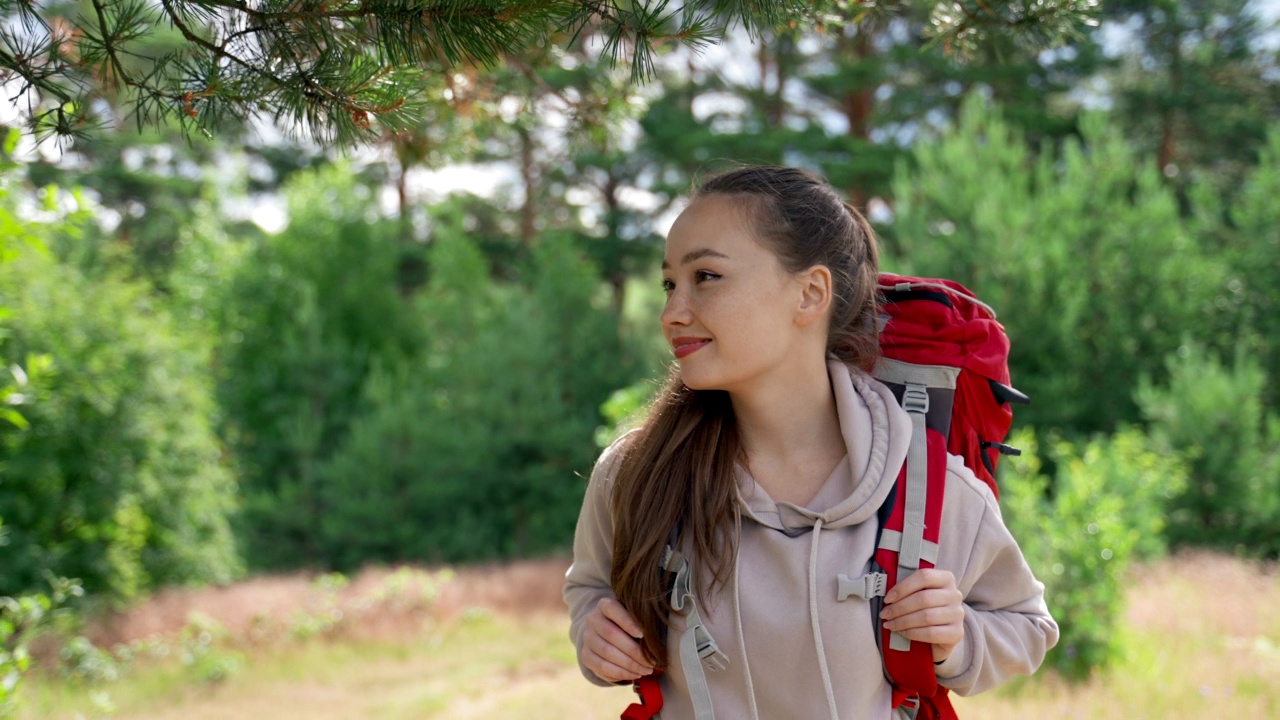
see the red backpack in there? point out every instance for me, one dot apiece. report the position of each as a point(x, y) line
point(945, 357)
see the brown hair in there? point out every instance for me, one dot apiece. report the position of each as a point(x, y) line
point(675, 480)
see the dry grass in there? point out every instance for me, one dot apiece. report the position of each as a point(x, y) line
point(1202, 636)
point(516, 590)
point(1202, 639)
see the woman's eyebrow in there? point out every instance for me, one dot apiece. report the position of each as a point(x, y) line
point(696, 255)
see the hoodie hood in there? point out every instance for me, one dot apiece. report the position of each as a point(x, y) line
point(866, 409)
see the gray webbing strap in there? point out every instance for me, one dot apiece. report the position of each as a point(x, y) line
point(892, 540)
point(697, 647)
point(904, 373)
point(915, 400)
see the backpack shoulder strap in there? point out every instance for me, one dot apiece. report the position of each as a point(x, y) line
point(908, 538)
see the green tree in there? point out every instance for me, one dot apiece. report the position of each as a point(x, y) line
point(151, 186)
point(1196, 91)
point(307, 313)
point(1215, 415)
point(1252, 232)
point(850, 99)
point(469, 451)
point(1081, 250)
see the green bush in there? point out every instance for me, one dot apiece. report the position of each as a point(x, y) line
point(22, 620)
point(1081, 530)
point(306, 315)
point(117, 479)
point(1216, 415)
point(1253, 234)
point(470, 450)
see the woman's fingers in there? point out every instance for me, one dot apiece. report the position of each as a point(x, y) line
point(947, 616)
point(927, 607)
point(920, 580)
point(610, 640)
point(612, 609)
point(923, 600)
point(615, 646)
point(612, 666)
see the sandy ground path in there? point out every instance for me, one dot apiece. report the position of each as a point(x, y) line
point(1201, 636)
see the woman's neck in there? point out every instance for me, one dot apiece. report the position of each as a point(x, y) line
point(789, 427)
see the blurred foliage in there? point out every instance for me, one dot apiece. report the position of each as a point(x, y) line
point(305, 315)
point(1103, 509)
point(1216, 416)
point(150, 189)
point(624, 410)
point(118, 479)
point(469, 450)
point(22, 620)
point(1197, 89)
point(1082, 251)
point(445, 426)
point(1250, 230)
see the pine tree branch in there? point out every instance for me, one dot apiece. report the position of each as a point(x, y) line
point(332, 67)
point(108, 42)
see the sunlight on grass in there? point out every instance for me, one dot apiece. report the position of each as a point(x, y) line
point(480, 666)
point(1189, 654)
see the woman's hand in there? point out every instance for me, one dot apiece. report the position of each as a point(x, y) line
point(927, 607)
point(609, 647)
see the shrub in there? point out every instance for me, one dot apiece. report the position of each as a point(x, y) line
point(307, 314)
point(1254, 237)
point(1216, 414)
point(470, 450)
point(1080, 532)
point(23, 619)
point(117, 479)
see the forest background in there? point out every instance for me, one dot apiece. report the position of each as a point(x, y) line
point(267, 349)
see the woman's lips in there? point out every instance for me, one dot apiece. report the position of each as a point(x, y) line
point(686, 346)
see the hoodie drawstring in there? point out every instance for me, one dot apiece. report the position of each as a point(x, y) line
point(813, 620)
point(737, 613)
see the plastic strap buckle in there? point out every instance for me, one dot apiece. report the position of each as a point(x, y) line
point(713, 658)
point(915, 399)
point(865, 587)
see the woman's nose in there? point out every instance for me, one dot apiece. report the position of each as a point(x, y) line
point(676, 311)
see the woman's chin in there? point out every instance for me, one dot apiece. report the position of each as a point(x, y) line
point(699, 381)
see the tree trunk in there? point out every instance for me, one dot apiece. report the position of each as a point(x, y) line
point(1168, 152)
point(402, 197)
point(527, 175)
point(616, 275)
point(858, 103)
point(777, 105)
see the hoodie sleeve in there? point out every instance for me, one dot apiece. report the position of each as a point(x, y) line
point(587, 580)
point(1007, 626)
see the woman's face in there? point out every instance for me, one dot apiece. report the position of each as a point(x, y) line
point(731, 308)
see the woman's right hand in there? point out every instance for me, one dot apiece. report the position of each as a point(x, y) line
point(609, 647)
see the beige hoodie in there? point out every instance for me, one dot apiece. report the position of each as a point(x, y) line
point(788, 560)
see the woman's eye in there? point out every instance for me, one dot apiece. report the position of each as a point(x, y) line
point(668, 286)
point(703, 275)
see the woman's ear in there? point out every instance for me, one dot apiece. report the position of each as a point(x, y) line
point(815, 294)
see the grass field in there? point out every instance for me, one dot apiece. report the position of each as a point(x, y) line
point(1202, 639)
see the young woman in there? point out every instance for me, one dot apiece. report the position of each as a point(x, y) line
point(763, 461)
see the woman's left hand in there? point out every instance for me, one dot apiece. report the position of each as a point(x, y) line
point(927, 607)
